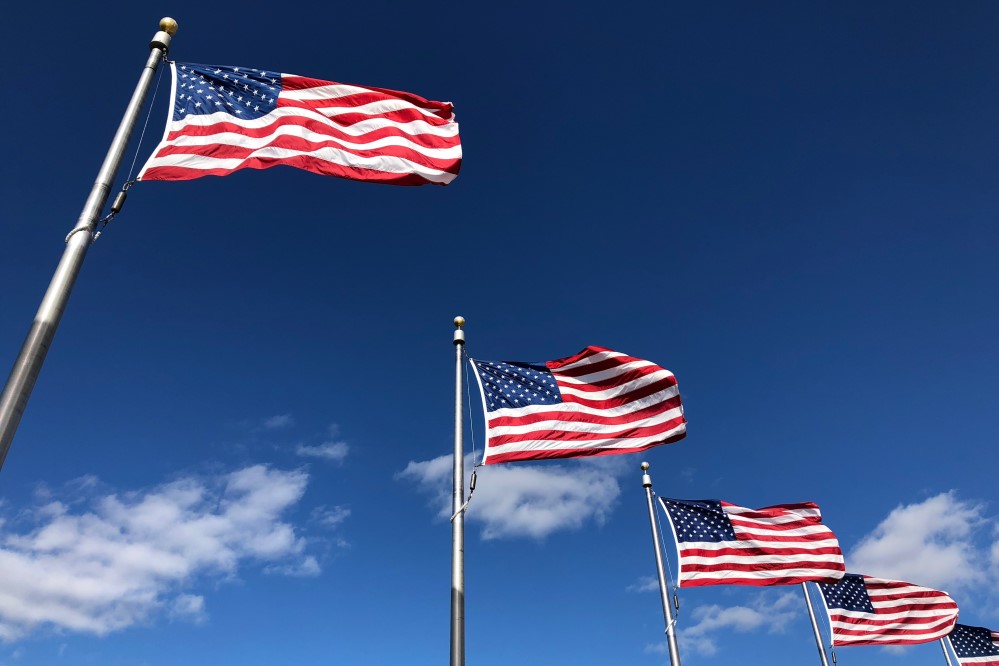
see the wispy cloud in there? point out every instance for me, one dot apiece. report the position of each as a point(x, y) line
point(279, 421)
point(112, 560)
point(930, 543)
point(769, 611)
point(523, 500)
point(331, 517)
point(644, 584)
point(331, 451)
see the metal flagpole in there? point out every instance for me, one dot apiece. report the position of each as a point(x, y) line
point(815, 625)
point(943, 646)
point(36, 344)
point(674, 652)
point(457, 507)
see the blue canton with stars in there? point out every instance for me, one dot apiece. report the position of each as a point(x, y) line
point(972, 642)
point(699, 520)
point(240, 91)
point(850, 593)
point(514, 384)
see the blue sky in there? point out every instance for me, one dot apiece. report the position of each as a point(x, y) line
point(237, 450)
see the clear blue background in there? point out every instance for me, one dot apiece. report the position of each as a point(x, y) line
point(792, 206)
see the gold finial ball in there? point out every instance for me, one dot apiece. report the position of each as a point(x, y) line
point(645, 467)
point(459, 321)
point(168, 25)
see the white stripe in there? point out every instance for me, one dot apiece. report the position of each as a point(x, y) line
point(831, 542)
point(590, 360)
point(608, 373)
point(768, 558)
point(800, 531)
point(243, 141)
point(414, 127)
point(583, 426)
point(786, 515)
point(574, 407)
point(615, 391)
point(931, 615)
point(894, 639)
point(381, 163)
point(373, 108)
point(762, 574)
point(331, 91)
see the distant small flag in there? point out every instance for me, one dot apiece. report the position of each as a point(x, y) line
point(874, 611)
point(724, 544)
point(975, 646)
point(224, 118)
point(595, 403)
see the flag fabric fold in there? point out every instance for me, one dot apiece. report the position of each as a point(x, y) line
point(975, 646)
point(596, 402)
point(223, 119)
point(874, 611)
point(724, 544)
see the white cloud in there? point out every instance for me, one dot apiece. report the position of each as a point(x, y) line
point(118, 559)
point(644, 584)
point(279, 421)
point(332, 451)
point(330, 517)
point(525, 500)
point(928, 543)
point(190, 607)
point(769, 611)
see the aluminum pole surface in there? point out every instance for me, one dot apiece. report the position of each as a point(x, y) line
point(674, 651)
point(36, 345)
point(457, 506)
point(943, 646)
point(815, 625)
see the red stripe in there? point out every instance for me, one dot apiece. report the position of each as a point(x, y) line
point(920, 624)
point(545, 454)
point(570, 436)
point(306, 163)
point(444, 110)
point(630, 375)
point(569, 360)
point(319, 126)
point(761, 553)
point(599, 366)
point(225, 151)
point(621, 400)
point(755, 582)
point(564, 416)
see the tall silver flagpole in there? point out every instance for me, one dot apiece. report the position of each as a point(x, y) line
point(457, 507)
point(943, 646)
point(674, 651)
point(815, 625)
point(36, 345)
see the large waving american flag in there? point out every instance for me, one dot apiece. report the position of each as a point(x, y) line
point(975, 646)
point(596, 402)
point(224, 118)
point(875, 611)
point(724, 544)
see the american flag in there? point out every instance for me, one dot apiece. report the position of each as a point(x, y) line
point(228, 118)
point(874, 611)
point(597, 402)
point(975, 646)
point(724, 544)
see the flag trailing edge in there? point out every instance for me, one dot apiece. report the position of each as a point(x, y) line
point(223, 119)
point(864, 610)
point(975, 646)
point(719, 543)
point(596, 402)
